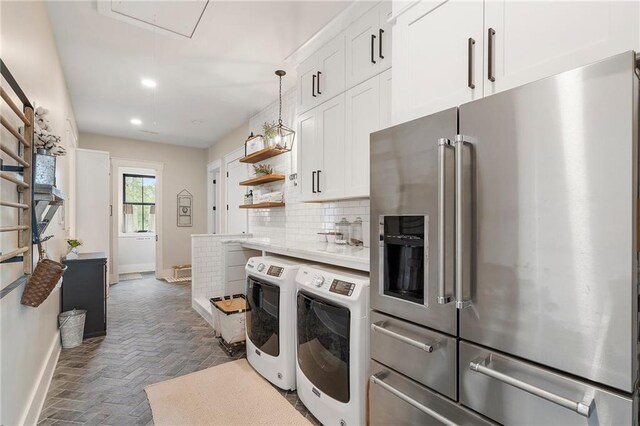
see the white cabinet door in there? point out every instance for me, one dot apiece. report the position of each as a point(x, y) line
point(362, 54)
point(237, 218)
point(385, 99)
point(307, 75)
point(533, 40)
point(310, 154)
point(330, 76)
point(435, 66)
point(384, 36)
point(331, 131)
point(363, 117)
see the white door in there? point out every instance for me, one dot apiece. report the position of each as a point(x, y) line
point(384, 36)
point(330, 79)
point(362, 56)
point(385, 99)
point(533, 40)
point(331, 132)
point(310, 154)
point(437, 51)
point(363, 117)
point(236, 217)
point(213, 181)
point(307, 80)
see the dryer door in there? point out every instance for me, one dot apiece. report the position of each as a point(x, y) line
point(263, 316)
point(323, 345)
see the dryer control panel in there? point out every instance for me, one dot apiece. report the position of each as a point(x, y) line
point(342, 287)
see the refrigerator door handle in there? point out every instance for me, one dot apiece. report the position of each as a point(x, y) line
point(444, 145)
point(380, 328)
point(462, 213)
point(584, 408)
point(377, 379)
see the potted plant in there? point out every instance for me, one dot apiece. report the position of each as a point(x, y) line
point(73, 244)
point(269, 133)
point(262, 169)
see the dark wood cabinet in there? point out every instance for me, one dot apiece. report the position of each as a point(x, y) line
point(84, 286)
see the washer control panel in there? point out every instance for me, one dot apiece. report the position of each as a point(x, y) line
point(275, 271)
point(342, 287)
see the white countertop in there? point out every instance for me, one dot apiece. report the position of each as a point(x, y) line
point(334, 254)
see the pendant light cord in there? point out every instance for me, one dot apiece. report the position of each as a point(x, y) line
point(280, 107)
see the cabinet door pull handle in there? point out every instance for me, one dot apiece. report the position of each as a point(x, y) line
point(373, 42)
point(313, 86)
point(313, 181)
point(490, 39)
point(318, 91)
point(380, 32)
point(318, 182)
point(470, 48)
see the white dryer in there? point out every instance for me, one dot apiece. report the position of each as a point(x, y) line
point(271, 296)
point(332, 339)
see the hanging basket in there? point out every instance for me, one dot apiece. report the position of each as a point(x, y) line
point(42, 281)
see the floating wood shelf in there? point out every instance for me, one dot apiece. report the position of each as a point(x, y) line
point(261, 205)
point(262, 179)
point(263, 154)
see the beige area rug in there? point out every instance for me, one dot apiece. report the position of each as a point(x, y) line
point(227, 394)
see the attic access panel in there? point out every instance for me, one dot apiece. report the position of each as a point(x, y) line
point(174, 17)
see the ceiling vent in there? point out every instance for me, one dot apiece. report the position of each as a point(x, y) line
point(177, 18)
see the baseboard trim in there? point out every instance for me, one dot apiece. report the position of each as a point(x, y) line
point(39, 394)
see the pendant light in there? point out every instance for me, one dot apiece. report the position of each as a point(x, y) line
point(284, 136)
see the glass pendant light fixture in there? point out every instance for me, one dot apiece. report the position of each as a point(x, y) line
point(284, 136)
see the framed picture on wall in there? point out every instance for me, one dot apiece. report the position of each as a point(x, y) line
point(185, 208)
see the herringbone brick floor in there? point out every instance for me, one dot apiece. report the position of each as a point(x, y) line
point(153, 335)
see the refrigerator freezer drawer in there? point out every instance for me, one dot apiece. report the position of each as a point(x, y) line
point(424, 355)
point(515, 392)
point(396, 400)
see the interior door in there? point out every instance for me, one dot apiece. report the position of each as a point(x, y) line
point(556, 182)
point(363, 117)
point(236, 217)
point(331, 79)
point(362, 48)
point(331, 132)
point(533, 39)
point(310, 153)
point(435, 64)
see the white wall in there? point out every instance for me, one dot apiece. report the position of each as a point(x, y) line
point(29, 342)
point(184, 168)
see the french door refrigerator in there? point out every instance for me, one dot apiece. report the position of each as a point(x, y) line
point(505, 283)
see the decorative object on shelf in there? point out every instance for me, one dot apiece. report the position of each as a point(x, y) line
point(44, 138)
point(342, 231)
point(248, 197)
point(253, 144)
point(73, 244)
point(284, 137)
point(44, 169)
point(262, 169)
point(355, 233)
point(269, 132)
point(185, 208)
point(271, 197)
point(43, 279)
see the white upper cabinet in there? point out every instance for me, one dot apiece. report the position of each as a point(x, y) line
point(321, 76)
point(438, 63)
point(368, 45)
point(531, 40)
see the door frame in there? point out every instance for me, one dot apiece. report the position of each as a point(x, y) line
point(116, 163)
point(229, 158)
point(213, 196)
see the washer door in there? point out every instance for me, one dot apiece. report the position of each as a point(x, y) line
point(263, 316)
point(323, 345)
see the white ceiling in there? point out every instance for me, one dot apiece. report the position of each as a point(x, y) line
point(220, 76)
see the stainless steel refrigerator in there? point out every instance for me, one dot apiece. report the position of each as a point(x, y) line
point(504, 287)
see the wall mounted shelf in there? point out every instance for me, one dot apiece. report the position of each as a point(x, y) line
point(263, 154)
point(261, 205)
point(262, 179)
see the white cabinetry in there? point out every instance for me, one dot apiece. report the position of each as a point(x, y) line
point(321, 76)
point(437, 57)
point(322, 159)
point(368, 49)
point(532, 40)
point(437, 66)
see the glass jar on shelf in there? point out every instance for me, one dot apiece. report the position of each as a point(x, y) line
point(355, 233)
point(342, 231)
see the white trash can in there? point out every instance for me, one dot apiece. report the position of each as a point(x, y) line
point(72, 327)
point(230, 317)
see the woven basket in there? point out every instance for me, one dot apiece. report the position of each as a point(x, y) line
point(43, 280)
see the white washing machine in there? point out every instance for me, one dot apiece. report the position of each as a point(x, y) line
point(332, 340)
point(271, 295)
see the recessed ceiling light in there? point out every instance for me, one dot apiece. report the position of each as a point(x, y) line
point(136, 121)
point(147, 82)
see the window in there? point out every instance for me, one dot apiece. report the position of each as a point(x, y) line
point(138, 199)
